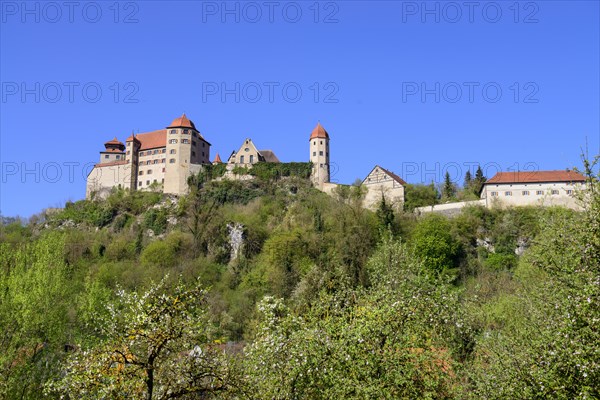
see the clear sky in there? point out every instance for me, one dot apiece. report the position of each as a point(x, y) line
point(416, 87)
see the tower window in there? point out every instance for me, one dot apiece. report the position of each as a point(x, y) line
point(106, 156)
point(185, 132)
point(155, 161)
point(141, 173)
point(173, 141)
point(163, 171)
point(320, 153)
point(162, 161)
point(172, 151)
point(172, 161)
point(149, 172)
point(173, 131)
point(139, 183)
point(315, 143)
point(118, 157)
point(185, 141)
point(202, 144)
point(193, 142)
point(147, 183)
point(193, 154)
point(314, 153)
point(321, 142)
point(164, 150)
point(155, 151)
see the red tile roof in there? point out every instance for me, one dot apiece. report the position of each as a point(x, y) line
point(182, 122)
point(319, 132)
point(110, 164)
point(536, 177)
point(115, 141)
point(151, 140)
point(218, 159)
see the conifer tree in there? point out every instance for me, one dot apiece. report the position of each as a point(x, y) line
point(448, 190)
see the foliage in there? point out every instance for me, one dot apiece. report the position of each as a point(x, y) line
point(273, 171)
point(156, 345)
point(387, 342)
point(434, 244)
point(420, 196)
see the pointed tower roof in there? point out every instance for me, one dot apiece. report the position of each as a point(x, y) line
point(218, 159)
point(114, 142)
point(182, 122)
point(319, 132)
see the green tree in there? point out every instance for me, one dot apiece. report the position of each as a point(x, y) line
point(478, 181)
point(420, 196)
point(385, 215)
point(434, 244)
point(468, 180)
point(157, 345)
point(448, 190)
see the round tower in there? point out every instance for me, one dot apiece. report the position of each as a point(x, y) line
point(319, 155)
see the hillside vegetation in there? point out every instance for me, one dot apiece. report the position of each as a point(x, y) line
point(270, 289)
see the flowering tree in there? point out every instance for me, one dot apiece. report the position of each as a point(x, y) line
point(156, 346)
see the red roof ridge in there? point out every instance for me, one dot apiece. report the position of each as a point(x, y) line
point(536, 176)
point(110, 164)
point(393, 175)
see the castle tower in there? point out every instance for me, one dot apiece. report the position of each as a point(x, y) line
point(185, 146)
point(319, 155)
point(131, 155)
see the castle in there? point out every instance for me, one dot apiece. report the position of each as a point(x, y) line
point(164, 159)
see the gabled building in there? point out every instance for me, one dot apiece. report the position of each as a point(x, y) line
point(248, 155)
point(158, 160)
point(381, 183)
point(535, 188)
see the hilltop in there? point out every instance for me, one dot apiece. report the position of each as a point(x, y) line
point(289, 292)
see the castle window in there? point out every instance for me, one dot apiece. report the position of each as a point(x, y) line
point(163, 180)
point(315, 143)
point(327, 154)
point(155, 151)
point(106, 156)
point(154, 181)
point(118, 157)
point(241, 159)
point(320, 153)
point(172, 161)
point(251, 158)
point(172, 141)
point(314, 153)
point(155, 162)
point(202, 154)
point(203, 144)
point(193, 154)
point(128, 144)
point(508, 193)
point(164, 151)
point(173, 131)
point(149, 172)
point(147, 183)
point(185, 132)
point(163, 160)
point(163, 171)
point(139, 183)
point(494, 194)
point(569, 191)
point(141, 173)
point(539, 192)
point(193, 143)
point(185, 141)
point(525, 192)
point(554, 191)
point(172, 151)
point(321, 142)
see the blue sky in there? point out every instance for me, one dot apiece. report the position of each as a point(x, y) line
point(420, 88)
